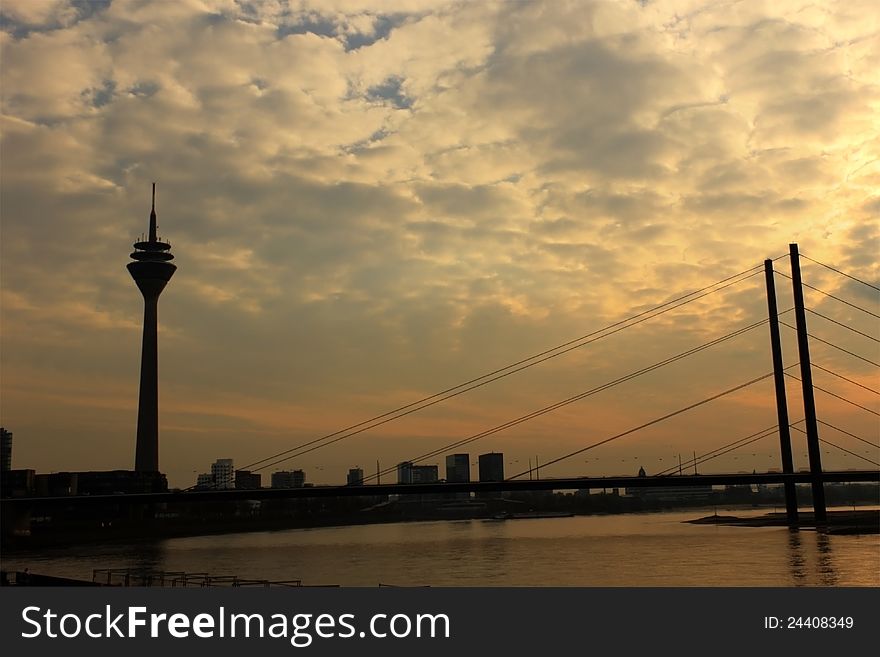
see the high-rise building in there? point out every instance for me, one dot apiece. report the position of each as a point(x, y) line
point(355, 477)
point(204, 481)
point(458, 468)
point(5, 450)
point(151, 269)
point(492, 466)
point(223, 473)
point(404, 472)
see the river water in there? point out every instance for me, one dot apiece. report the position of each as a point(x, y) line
point(655, 549)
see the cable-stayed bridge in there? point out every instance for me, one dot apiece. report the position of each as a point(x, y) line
point(808, 424)
point(793, 318)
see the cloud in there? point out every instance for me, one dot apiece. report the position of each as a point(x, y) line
point(368, 204)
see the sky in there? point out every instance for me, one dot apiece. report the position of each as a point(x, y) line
point(370, 202)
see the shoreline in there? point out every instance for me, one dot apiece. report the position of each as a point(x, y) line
point(837, 522)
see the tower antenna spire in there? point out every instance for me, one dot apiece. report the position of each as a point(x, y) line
point(153, 237)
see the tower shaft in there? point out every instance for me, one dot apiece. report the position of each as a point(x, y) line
point(146, 457)
point(151, 278)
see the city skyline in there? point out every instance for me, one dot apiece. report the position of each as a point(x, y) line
point(371, 207)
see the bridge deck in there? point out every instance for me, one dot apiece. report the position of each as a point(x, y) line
point(570, 483)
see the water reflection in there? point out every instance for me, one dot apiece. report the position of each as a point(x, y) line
point(656, 549)
point(825, 566)
point(796, 557)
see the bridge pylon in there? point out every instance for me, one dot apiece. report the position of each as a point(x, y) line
point(791, 509)
point(812, 426)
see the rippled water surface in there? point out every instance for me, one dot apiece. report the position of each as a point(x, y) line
point(624, 550)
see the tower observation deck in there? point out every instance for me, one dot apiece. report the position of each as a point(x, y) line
point(151, 269)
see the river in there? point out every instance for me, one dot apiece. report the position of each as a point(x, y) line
point(655, 549)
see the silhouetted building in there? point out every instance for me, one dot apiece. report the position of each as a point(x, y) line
point(5, 450)
point(224, 473)
point(407, 473)
point(288, 479)
point(669, 493)
point(112, 482)
point(355, 477)
point(17, 483)
point(425, 474)
point(26, 483)
point(492, 466)
point(204, 481)
point(99, 482)
point(56, 484)
point(151, 270)
point(247, 480)
point(458, 468)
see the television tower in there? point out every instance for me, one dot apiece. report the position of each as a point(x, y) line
point(151, 270)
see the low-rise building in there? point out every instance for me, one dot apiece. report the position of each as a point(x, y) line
point(247, 480)
point(288, 479)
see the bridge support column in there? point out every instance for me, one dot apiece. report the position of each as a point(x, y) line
point(791, 509)
point(812, 426)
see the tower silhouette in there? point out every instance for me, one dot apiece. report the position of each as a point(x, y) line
point(151, 270)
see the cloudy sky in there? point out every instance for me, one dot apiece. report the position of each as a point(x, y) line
point(370, 202)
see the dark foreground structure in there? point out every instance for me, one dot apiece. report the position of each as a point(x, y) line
point(32, 521)
point(151, 270)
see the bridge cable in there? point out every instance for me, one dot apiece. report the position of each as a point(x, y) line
point(836, 428)
point(578, 397)
point(651, 422)
point(851, 435)
point(831, 344)
point(842, 449)
point(708, 456)
point(828, 392)
point(690, 462)
point(306, 448)
point(842, 273)
point(524, 363)
point(828, 294)
point(731, 449)
point(848, 328)
point(840, 376)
